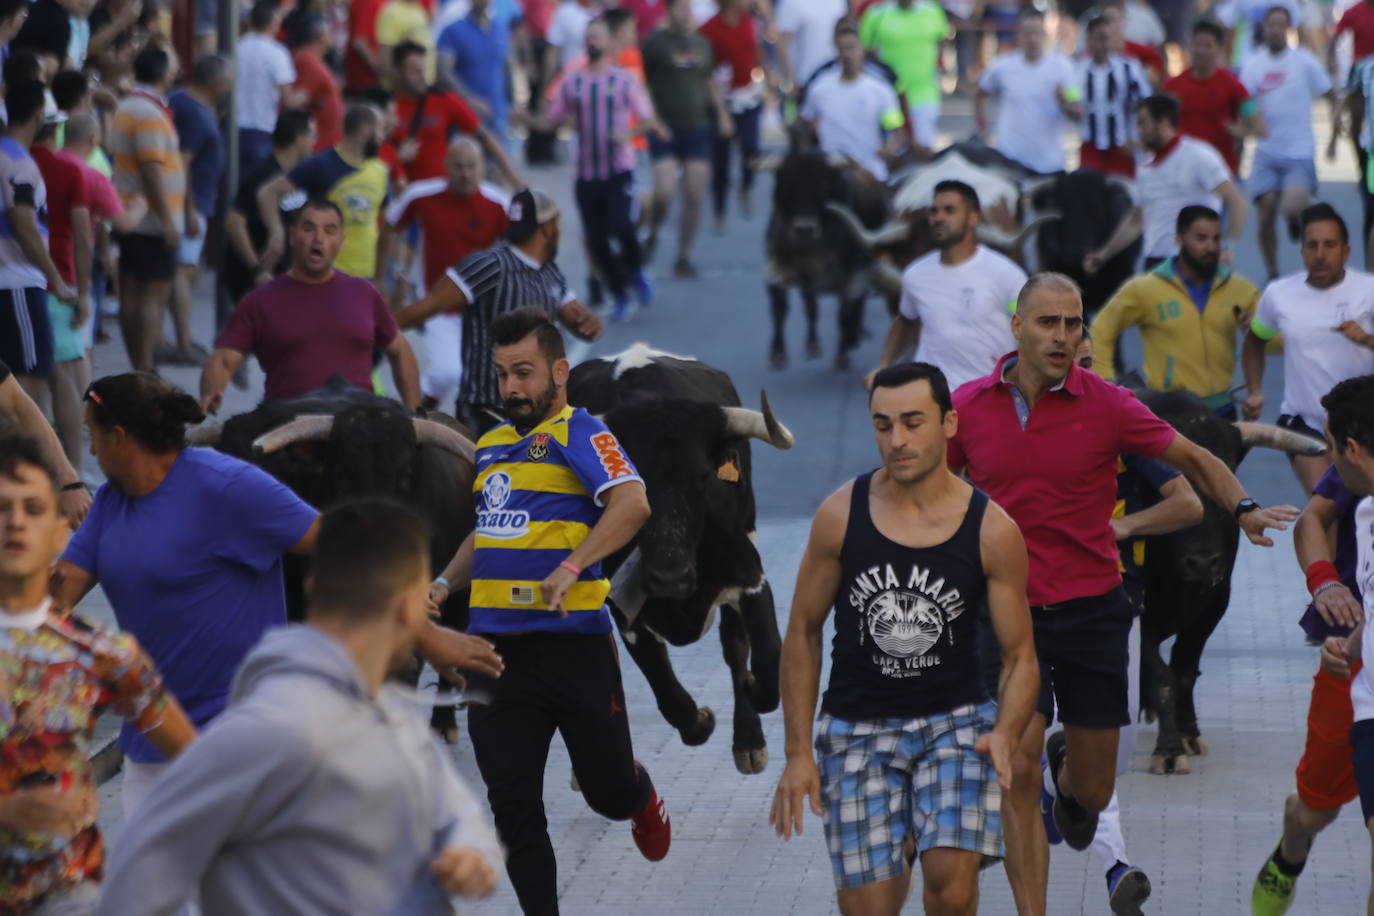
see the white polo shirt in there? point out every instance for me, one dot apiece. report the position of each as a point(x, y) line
point(1315, 356)
point(965, 311)
point(1185, 173)
point(1362, 688)
point(264, 66)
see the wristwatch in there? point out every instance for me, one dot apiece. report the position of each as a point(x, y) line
point(1245, 505)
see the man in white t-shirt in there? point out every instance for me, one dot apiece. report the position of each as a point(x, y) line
point(265, 75)
point(567, 28)
point(806, 34)
point(957, 301)
point(1034, 91)
point(1283, 175)
point(1177, 172)
point(1326, 317)
point(853, 112)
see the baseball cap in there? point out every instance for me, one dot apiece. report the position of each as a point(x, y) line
point(529, 209)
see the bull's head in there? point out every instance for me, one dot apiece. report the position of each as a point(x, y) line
point(806, 183)
point(694, 459)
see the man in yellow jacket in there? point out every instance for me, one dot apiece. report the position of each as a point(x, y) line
point(1191, 313)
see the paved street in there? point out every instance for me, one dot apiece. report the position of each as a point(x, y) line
point(1200, 837)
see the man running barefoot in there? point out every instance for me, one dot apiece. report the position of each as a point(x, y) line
point(909, 755)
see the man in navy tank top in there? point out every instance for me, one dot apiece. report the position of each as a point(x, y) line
point(912, 757)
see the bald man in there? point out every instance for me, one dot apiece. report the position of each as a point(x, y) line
point(457, 216)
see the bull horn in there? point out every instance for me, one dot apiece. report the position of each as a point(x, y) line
point(1033, 187)
point(840, 161)
point(887, 278)
point(1267, 435)
point(768, 163)
point(308, 427)
point(1004, 241)
point(761, 425)
point(428, 432)
point(893, 233)
point(1122, 182)
point(205, 436)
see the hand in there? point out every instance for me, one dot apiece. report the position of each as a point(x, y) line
point(212, 402)
point(81, 311)
point(1254, 403)
point(1255, 521)
point(192, 224)
point(1120, 530)
point(272, 251)
point(49, 810)
point(1092, 262)
point(438, 594)
point(726, 125)
point(74, 505)
point(407, 151)
point(63, 293)
point(464, 872)
point(450, 651)
point(1337, 606)
point(997, 746)
point(1353, 332)
point(171, 236)
point(584, 323)
point(479, 108)
point(555, 588)
point(1334, 659)
point(662, 132)
point(799, 779)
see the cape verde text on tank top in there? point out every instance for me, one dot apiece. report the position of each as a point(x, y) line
point(906, 620)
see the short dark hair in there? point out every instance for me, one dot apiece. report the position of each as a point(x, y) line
point(1350, 411)
point(1281, 8)
point(616, 17)
point(150, 409)
point(1097, 22)
point(70, 88)
point(24, 101)
point(261, 14)
point(375, 96)
point(964, 190)
point(322, 203)
point(513, 327)
point(1191, 214)
point(292, 124)
point(305, 28)
point(1210, 27)
point(1323, 212)
point(405, 49)
point(906, 373)
point(17, 451)
point(368, 550)
point(1161, 107)
point(151, 65)
point(210, 69)
point(359, 116)
point(12, 8)
point(22, 64)
point(845, 28)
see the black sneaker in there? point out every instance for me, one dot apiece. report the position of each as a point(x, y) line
point(1076, 824)
point(1127, 888)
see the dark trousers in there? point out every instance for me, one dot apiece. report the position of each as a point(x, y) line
point(608, 214)
point(746, 137)
point(254, 147)
point(552, 682)
point(1366, 198)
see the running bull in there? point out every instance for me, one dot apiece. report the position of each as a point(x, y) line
point(341, 441)
point(681, 423)
point(1188, 576)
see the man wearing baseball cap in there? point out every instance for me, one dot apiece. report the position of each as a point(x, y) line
point(516, 273)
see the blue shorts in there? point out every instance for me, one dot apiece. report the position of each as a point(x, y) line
point(1270, 173)
point(695, 143)
point(884, 780)
point(26, 331)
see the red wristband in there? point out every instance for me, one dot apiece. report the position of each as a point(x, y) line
point(1320, 573)
point(576, 571)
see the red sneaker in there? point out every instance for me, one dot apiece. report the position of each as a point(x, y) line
point(652, 829)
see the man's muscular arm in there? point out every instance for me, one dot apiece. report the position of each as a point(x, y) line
point(1004, 564)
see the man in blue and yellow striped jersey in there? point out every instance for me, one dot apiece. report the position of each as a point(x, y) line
point(555, 494)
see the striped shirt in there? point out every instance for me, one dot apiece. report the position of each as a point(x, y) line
point(21, 184)
point(499, 280)
point(143, 132)
point(602, 105)
point(1110, 94)
point(538, 496)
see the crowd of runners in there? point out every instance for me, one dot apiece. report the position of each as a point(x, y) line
point(985, 580)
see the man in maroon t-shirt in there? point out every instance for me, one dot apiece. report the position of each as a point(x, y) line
point(1213, 104)
point(311, 323)
point(1014, 426)
point(1358, 20)
point(427, 119)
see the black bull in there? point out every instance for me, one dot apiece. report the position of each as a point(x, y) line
point(680, 422)
point(1188, 577)
point(341, 441)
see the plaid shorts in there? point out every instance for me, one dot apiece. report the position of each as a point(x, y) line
point(883, 780)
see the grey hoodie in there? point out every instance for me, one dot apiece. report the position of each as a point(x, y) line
point(306, 796)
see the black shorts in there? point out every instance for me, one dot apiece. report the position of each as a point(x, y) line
point(1084, 653)
point(1298, 425)
point(26, 344)
point(684, 145)
point(1362, 743)
point(146, 257)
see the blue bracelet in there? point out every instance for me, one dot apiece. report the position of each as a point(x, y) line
point(440, 580)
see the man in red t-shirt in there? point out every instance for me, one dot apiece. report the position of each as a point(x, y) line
point(1359, 22)
point(315, 81)
point(1014, 425)
point(69, 244)
point(1213, 104)
point(361, 66)
point(734, 38)
point(456, 216)
point(427, 118)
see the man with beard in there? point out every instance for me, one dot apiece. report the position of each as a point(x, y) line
point(551, 478)
point(1191, 313)
point(517, 273)
point(317, 760)
point(311, 323)
point(957, 300)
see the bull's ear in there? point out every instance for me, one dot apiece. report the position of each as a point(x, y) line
point(729, 468)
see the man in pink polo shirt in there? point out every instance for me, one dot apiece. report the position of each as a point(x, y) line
point(1042, 438)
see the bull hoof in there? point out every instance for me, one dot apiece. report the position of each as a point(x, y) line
point(1149, 716)
point(573, 783)
point(751, 762)
point(1195, 746)
point(813, 349)
point(841, 362)
point(450, 736)
point(777, 358)
point(1165, 764)
point(699, 731)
